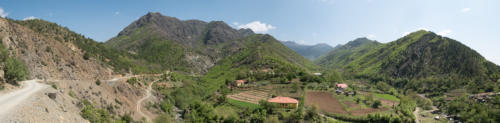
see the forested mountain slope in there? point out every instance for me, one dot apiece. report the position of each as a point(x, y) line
point(342, 55)
point(423, 61)
point(191, 45)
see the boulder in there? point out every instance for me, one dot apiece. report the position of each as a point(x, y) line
point(52, 96)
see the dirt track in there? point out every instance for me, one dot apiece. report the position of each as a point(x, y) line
point(10, 100)
point(139, 102)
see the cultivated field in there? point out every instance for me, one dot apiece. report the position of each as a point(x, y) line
point(251, 96)
point(325, 102)
point(340, 104)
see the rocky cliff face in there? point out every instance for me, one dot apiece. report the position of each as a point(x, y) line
point(48, 55)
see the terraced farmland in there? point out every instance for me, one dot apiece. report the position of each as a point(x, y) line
point(251, 96)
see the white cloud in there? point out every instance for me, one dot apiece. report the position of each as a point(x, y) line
point(3, 13)
point(236, 23)
point(406, 33)
point(466, 9)
point(257, 26)
point(370, 36)
point(117, 13)
point(444, 32)
point(30, 18)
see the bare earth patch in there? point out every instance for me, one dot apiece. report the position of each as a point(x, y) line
point(325, 101)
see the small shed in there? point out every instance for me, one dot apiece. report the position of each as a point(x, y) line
point(341, 86)
point(240, 82)
point(284, 102)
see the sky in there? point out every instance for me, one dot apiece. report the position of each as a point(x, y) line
point(475, 23)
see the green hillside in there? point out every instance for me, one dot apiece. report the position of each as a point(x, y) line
point(261, 52)
point(426, 62)
point(182, 45)
point(344, 54)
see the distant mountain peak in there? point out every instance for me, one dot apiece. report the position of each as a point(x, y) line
point(310, 52)
point(208, 41)
point(359, 41)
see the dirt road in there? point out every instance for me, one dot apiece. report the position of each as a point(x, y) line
point(417, 117)
point(139, 102)
point(9, 101)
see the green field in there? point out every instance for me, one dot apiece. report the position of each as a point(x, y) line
point(242, 104)
point(387, 97)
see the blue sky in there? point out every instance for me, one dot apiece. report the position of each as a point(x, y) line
point(475, 23)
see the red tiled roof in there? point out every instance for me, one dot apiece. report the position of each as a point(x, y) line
point(240, 81)
point(342, 85)
point(283, 100)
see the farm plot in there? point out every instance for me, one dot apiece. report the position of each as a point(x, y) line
point(325, 102)
point(251, 96)
point(340, 104)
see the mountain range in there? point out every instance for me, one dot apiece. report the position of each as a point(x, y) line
point(311, 52)
point(196, 62)
point(177, 44)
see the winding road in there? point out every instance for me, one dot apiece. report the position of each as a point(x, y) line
point(418, 118)
point(10, 100)
point(139, 102)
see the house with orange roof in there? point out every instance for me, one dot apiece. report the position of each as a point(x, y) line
point(342, 86)
point(284, 102)
point(240, 82)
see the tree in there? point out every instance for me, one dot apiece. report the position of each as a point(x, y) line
point(312, 114)
point(15, 71)
point(368, 98)
point(376, 104)
point(295, 87)
point(269, 107)
point(86, 56)
point(98, 82)
point(357, 100)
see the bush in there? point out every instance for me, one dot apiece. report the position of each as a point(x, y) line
point(48, 49)
point(53, 85)
point(86, 56)
point(132, 81)
point(98, 82)
point(376, 104)
point(15, 71)
point(95, 115)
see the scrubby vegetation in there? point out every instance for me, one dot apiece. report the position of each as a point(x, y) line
point(96, 115)
point(14, 70)
point(120, 60)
